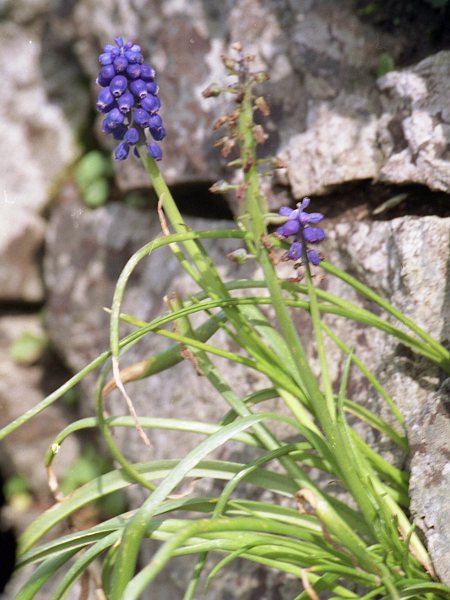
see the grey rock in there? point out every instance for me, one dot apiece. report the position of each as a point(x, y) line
point(36, 139)
point(336, 141)
point(398, 133)
point(429, 427)
point(415, 125)
point(23, 11)
point(22, 386)
point(21, 239)
point(406, 261)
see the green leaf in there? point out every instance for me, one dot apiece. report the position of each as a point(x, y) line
point(385, 64)
point(96, 193)
point(28, 348)
point(93, 165)
point(116, 480)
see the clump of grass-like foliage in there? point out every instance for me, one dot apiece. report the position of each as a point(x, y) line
point(364, 548)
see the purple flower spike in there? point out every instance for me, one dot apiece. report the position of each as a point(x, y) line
point(298, 225)
point(129, 99)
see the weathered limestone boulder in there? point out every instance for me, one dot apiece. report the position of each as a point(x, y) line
point(406, 261)
point(36, 138)
point(21, 239)
point(398, 133)
point(22, 385)
point(429, 435)
point(414, 129)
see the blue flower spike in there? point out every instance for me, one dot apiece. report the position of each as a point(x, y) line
point(298, 225)
point(129, 99)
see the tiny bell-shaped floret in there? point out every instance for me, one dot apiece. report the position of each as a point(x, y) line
point(147, 72)
point(152, 88)
point(155, 122)
point(313, 257)
point(142, 117)
point(295, 251)
point(106, 74)
point(122, 150)
point(134, 71)
point(105, 100)
point(118, 85)
point(106, 58)
point(155, 151)
point(120, 64)
point(125, 102)
point(119, 132)
point(139, 88)
point(313, 235)
point(131, 136)
point(151, 103)
point(158, 134)
point(291, 227)
point(114, 118)
point(134, 57)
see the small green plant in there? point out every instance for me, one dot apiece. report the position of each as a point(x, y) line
point(28, 348)
point(17, 493)
point(92, 174)
point(385, 64)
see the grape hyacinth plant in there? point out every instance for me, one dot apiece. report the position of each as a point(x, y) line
point(129, 98)
point(353, 539)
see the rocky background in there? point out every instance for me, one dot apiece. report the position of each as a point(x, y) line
point(359, 112)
